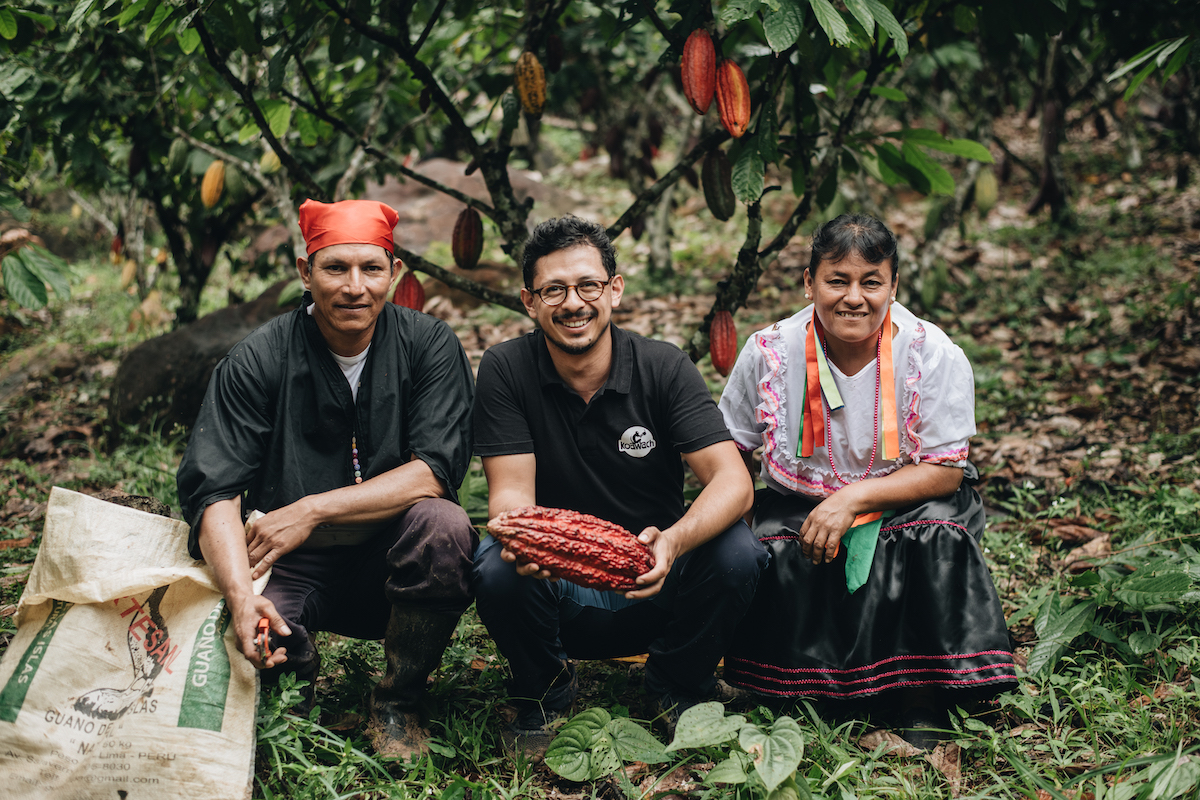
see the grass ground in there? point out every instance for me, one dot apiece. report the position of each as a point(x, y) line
point(1086, 347)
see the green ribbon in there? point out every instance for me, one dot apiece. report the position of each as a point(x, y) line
point(860, 543)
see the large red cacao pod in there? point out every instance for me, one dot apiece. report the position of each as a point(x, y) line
point(577, 547)
point(717, 175)
point(722, 342)
point(409, 292)
point(698, 70)
point(531, 84)
point(733, 98)
point(467, 241)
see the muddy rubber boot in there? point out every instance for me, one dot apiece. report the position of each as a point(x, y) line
point(413, 644)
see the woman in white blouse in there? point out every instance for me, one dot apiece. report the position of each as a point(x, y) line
point(877, 584)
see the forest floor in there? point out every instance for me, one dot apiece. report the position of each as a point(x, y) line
point(1085, 340)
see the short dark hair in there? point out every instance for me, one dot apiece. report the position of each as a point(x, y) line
point(564, 233)
point(852, 234)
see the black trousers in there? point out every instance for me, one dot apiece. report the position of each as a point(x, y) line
point(686, 628)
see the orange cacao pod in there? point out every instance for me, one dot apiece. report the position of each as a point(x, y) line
point(531, 84)
point(213, 184)
point(733, 98)
point(467, 242)
point(717, 176)
point(722, 342)
point(577, 547)
point(409, 292)
point(698, 70)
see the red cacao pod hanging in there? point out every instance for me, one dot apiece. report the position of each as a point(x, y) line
point(467, 241)
point(722, 342)
point(409, 292)
point(733, 98)
point(698, 70)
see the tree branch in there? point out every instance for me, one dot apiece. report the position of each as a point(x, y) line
point(437, 12)
point(474, 288)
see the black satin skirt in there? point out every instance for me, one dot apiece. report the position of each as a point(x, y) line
point(928, 615)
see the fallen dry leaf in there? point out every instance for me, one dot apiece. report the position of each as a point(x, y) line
point(945, 759)
point(1084, 557)
point(894, 745)
point(1074, 534)
point(8, 544)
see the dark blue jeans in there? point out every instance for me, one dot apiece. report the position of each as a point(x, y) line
point(685, 628)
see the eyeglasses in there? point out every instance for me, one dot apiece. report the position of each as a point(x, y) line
point(553, 294)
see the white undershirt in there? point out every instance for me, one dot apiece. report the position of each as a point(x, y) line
point(853, 427)
point(352, 366)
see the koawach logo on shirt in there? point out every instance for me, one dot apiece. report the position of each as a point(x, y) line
point(636, 441)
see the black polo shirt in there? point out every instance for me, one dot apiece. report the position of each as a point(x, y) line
point(617, 456)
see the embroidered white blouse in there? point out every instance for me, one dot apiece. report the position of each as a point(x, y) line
point(935, 405)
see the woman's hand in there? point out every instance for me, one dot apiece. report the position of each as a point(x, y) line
point(822, 532)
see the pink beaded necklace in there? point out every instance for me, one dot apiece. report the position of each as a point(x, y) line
point(875, 438)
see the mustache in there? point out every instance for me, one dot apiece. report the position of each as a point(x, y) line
point(583, 313)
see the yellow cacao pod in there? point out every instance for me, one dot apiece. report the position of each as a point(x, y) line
point(269, 162)
point(213, 183)
point(987, 190)
point(531, 84)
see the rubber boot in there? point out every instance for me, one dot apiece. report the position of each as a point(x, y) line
point(413, 644)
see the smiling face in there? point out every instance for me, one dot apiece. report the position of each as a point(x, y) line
point(851, 297)
point(575, 326)
point(349, 285)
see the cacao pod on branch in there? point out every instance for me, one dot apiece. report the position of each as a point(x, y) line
point(577, 547)
point(722, 342)
point(698, 70)
point(269, 163)
point(531, 84)
point(467, 241)
point(733, 98)
point(717, 177)
point(177, 156)
point(409, 292)
point(213, 183)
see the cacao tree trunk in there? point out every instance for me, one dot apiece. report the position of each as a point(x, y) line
point(1052, 190)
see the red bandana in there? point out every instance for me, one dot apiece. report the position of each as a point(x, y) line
point(347, 222)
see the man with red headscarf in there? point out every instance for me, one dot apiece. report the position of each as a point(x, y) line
point(348, 424)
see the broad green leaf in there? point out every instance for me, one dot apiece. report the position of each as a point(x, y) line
point(1143, 642)
point(279, 116)
point(22, 286)
point(748, 173)
point(570, 754)
point(81, 10)
point(306, 125)
point(783, 27)
point(888, 93)
point(891, 25)
point(705, 725)
point(46, 21)
point(893, 169)
point(605, 760)
point(12, 75)
point(1061, 630)
point(188, 40)
point(632, 742)
point(290, 295)
point(1155, 584)
point(131, 11)
point(1177, 60)
point(1137, 81)
point(737, 10)
point(863, 14)
point(965, 20)
point(243, 29)
point(831, 22)
point(731, 770)
point(8, 24)
point(48, 268)
point(592, 720)
point(160, 16)
point(247, 132)
point(932, 139)
point(1142, 57)
point(776, 752)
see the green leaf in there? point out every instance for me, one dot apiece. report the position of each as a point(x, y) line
point(831, 22)
point(605, 760)
point(863, 14)
point(131, 11)
point(1177, 60)
point(188, 40)
point(783, 27)
point(888, 93)
point(1143, 642)
point(1155, 584)
point(290, 295)
point(705, 725)
point(23, 287)
point(81, 10)
point(891, 25)
point(8, 24)
point(592, 720)
point(632, 742)
point(731, 770)
point(1137, 81)
point(12, 75)
point(160, 16)
point(243, 29)
point(934, 140)
point(570, 754)
point(965, 20)
point(1142, 57)
point(748, 174)
point(45, 20)
point(775, 753)
point(306, 125)
point(737, 10)
point(1061, 629)
point(48, 268)
point(279, 116)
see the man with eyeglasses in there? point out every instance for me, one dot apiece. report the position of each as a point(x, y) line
point(582, 415)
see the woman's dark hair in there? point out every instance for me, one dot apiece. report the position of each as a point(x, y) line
point(563, 233)
point(852, 234)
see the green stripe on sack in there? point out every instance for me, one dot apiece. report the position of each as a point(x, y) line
point(13, 695)
point(207, 685)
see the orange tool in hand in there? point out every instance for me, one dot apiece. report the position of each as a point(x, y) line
point(263, 640)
